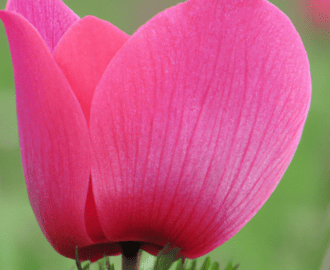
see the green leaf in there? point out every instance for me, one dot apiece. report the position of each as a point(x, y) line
point(104, 264)
point(78, 263)
point(236, 266)
point(193, 265)
point(180, 265)
point(101, 265)
point(230, 267)
point(215, 266)
point(206, 264)
point(166, 257)
point(86, 267)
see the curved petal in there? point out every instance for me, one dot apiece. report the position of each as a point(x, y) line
point(195, 121)
point(54, 138)
point(83, 54)
point(50, 17)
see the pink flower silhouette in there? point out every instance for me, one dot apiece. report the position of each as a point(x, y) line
point(179, 133)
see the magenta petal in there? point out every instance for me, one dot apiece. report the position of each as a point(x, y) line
point(195, 121)
point(54, 138)
point(50, 17)
point(83, 54)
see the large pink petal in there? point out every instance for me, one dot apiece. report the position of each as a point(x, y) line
point(54, 138)
point(83, 54)
point(50, 17)
point(195, 121)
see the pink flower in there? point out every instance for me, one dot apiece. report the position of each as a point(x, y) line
point(179, 133)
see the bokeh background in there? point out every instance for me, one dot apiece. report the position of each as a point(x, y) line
point(291, 231)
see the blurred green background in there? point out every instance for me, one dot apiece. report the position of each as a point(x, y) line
point(291, 231)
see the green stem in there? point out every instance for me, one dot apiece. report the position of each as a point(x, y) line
point(131, 255)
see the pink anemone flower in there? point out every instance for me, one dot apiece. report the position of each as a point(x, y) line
point(178, 133)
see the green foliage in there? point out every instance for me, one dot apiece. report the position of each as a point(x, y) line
point(230, 267)
point(78, 263)
point(216, 266)
point(165, 258)
point(206, 264)
point(104, 264)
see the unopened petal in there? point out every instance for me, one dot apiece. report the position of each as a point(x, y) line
point(54, 138)
point(195, 121)
point(50, 17)
point(83, 54)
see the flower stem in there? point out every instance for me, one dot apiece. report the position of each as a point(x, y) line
point(131, 255)
point(78, 264)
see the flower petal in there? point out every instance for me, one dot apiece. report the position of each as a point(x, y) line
point(83, 54)
point(50, 17)
point(195, 121)
point(54, 138)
